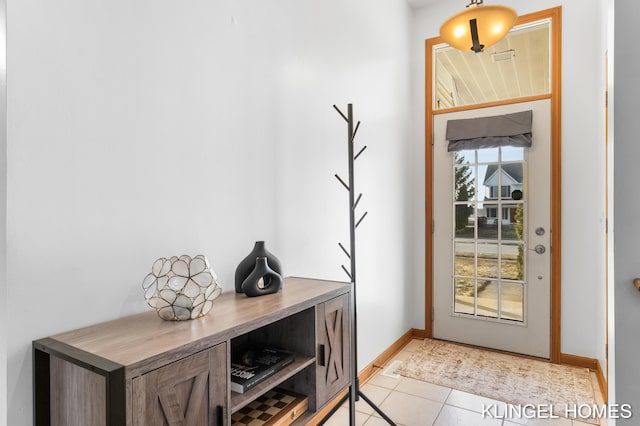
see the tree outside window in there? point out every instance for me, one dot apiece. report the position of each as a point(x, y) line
point(464, 191)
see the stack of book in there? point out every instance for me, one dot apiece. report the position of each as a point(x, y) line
point(251, 364)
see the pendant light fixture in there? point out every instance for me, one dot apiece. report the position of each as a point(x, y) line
point(478, 26)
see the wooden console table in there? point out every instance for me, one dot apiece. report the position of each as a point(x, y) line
point(141, 370)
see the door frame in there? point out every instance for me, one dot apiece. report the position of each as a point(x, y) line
point(555, 15)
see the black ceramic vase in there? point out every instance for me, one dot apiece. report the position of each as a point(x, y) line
point(249, 263)
point(262, 280)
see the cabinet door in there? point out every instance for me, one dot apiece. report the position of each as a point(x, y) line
point(189, 392)
point(334, 361)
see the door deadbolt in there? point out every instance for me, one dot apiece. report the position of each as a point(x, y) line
point(540, 231)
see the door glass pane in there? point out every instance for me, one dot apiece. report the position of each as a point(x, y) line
point(465, 261)
point(464, 296)
point(464, 221)
point(511, 153)
point(512, 261)
point(465, 179)
point(488, 224)
point(512, 301)
point(488, 298)
point(488, 228)
point(512, 228)
point(488, 155)
point(465, 157)
point(487, 260)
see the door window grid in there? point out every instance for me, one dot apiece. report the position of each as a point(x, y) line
point(488, 262)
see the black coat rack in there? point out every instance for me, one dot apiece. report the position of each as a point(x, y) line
point(354, 393)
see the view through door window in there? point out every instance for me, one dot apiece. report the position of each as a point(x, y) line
point(489, 248)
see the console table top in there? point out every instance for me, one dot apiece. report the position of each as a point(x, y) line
point(144, 336)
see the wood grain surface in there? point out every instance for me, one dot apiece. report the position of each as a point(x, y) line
point(144, 341)
point(79, 395)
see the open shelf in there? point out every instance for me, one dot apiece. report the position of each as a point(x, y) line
point(239, 400)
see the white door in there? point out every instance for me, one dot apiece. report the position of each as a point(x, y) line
point(491, 210)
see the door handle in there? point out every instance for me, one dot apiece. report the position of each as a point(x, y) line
point(219, 415)
point(636, 283)
point(322, 361)
point(540, 249)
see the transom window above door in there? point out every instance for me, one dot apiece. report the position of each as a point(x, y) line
point(517, 66)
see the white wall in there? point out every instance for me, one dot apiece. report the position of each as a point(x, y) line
point(368, 67)
point(3, 214)
point(143, 129)
point(626, 204)
point(583, 148)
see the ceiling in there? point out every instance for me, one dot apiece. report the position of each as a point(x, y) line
point(467, 78)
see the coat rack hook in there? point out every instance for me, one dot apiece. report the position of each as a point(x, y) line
point(342, 182)
point(357, 201)
point(353, 136)
point(346, 272)
point(340, 112)
point(360, 152)
point(344, 250)
point(363, 216)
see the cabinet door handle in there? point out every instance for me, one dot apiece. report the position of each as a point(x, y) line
point(219, 415)
point(321, 355)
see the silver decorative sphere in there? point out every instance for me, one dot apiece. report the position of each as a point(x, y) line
point(181, 288)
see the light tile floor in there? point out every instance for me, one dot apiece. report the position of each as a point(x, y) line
point(410, 402)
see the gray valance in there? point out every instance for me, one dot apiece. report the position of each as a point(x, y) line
point(490, 132)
